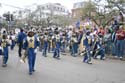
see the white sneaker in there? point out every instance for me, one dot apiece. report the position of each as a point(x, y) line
point(86, 61)
point(104, 58)
point(120, 57)
point(89, 62)
point(22, 61)
point(116, 56)
point(98, 57)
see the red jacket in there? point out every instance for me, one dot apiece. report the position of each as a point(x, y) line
point(120, 35)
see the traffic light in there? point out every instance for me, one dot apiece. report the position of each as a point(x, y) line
point(4, 15)
point(11, 17)
point(7, 17)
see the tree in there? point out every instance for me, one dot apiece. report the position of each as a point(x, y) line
point(90, 11)
point(119, 4)
point(61, 20)
point(100, 13)
point(40, 18)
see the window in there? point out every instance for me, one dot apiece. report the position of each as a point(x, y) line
point(58, 8)
point(54, 8)
point(47, 6)
point(64, 10)
point(43, 8)
point(81, 4)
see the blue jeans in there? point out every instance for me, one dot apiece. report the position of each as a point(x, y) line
point(74, 49)
point(40, 47)
point(13, 44)
point(49, 46)
point(63, 47)
point(102, 53)
point(56, 53)
point(5, 54)
point(108, 47)
point(31, 59)
point(87, 56)
point(114, 49)
point(44, 51)
point(120, 48)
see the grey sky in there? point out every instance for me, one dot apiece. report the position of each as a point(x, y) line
point(23, 3)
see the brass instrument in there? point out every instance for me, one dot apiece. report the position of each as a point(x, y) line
point(53, 42)
point(57, 38)
point(5, 42)
point(23, 58)
point(42, 41)
point(75, 40)
point(89, 39)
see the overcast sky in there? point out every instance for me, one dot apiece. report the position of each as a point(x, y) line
point(23, 3)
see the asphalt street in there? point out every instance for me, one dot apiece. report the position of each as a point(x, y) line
point(66, 70)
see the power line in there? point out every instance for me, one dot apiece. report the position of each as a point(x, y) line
point(10, 6)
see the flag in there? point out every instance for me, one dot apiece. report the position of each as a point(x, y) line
point(78, 24)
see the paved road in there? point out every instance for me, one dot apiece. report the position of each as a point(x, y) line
point(67, 70)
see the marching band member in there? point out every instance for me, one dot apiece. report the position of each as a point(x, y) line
point(12, 38)
point(74, 46)
point(57, 46)
point(63, 42)
point(53, 41)
point(41, 38)
point(49, 41)
point(101, 51)
point(30, 44)
point(5, 44)
point(87, 44)
point(45, 44)
point(98, 49)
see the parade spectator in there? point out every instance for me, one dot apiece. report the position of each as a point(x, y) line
point(30, 44)
point(107, 41)
point(101, 31)
point(20, 38)
point(120, 36)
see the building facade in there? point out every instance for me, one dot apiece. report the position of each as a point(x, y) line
point(44, 10)
point(77, 9)
point(49, 9)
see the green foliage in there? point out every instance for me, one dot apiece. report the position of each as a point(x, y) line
point(4, 24)
point(100, 13)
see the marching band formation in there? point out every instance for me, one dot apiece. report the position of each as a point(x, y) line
point(89, 42)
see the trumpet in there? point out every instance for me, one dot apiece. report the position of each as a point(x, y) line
point(23, 58)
